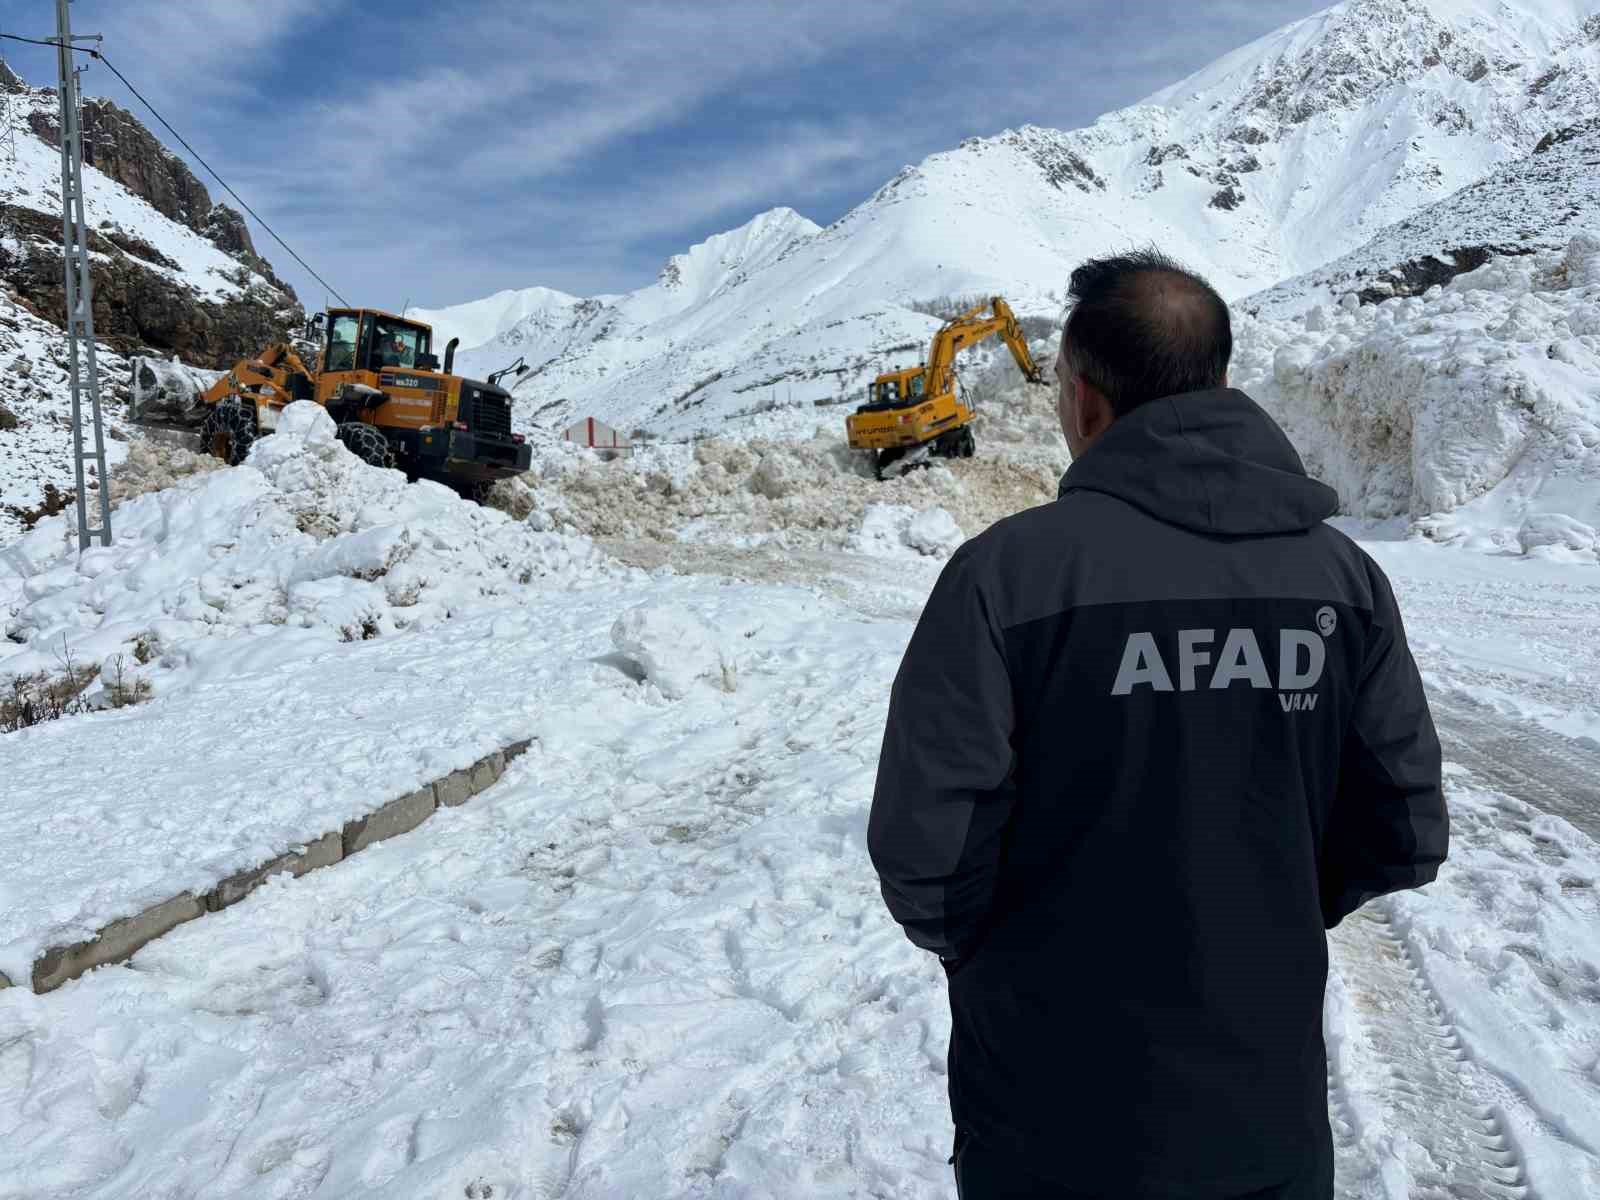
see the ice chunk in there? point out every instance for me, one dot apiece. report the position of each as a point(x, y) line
point(935, 532)
point(673, 648)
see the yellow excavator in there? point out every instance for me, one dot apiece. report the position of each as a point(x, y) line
point(395, 403)
point(919, 406)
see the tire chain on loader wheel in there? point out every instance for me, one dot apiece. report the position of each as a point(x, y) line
point(475, 490)
point(367, 443)
point(229, 431)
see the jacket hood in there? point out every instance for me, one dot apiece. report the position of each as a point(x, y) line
point(1208, 461)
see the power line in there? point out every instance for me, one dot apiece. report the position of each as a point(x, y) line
point(112, 67)
point(14, 37)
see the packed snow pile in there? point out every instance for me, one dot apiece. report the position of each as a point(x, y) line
point(793, 481)
point(153, 464)
point(303, 536)
point(673, 648)
point(810, 493)
point(889, 529)
point(1474, 409)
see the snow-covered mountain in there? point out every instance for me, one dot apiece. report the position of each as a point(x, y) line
point(526, 322)
point(1535, 203)
point(1276, 159)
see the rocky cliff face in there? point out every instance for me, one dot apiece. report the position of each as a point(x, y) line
point(155, 287)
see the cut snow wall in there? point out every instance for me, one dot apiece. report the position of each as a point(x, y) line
point(1473, 410)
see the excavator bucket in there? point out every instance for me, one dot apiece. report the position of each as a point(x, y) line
point(168, 393)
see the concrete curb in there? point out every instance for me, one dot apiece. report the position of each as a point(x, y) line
point(122, 939)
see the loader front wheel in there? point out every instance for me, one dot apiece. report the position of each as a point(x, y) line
point(229, 431)
point(367, 443)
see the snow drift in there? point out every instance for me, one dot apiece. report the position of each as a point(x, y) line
point(1473, 410)
point(303, 538)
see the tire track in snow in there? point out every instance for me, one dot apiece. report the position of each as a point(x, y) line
point(884, 588)
point(1538, 766)
point(1427, 1085)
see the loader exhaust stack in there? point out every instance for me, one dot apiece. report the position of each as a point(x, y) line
point(450, 355)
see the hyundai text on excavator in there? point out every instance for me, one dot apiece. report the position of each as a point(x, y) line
point(394, 403)
point(919, 406)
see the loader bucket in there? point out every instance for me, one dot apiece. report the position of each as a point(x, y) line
point(165, 392)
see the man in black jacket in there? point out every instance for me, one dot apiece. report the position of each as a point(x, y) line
point(1146, 744)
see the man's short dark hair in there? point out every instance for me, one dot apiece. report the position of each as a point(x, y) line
point(1142, 327)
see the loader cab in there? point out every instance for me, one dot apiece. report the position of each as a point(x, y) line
point(367, 340)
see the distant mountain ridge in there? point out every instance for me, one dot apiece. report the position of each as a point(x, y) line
point(1269, 163)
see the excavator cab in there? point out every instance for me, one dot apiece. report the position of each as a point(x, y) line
point(895, 389)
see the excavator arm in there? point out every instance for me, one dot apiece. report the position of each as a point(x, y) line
point(969, 329)
point(1016, 342)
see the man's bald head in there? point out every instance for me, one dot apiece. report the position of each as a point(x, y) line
point(1143, 327)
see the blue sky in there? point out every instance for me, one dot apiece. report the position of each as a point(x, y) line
point(440, 152)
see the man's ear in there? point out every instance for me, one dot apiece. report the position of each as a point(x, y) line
point(1092, 414)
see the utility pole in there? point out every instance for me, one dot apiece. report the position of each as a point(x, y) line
point(81, 364)
point(8, 139)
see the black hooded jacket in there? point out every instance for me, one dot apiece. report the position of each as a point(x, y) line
point(1147, 742)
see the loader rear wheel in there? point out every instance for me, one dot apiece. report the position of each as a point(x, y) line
point(229, 431)
point(367, 443)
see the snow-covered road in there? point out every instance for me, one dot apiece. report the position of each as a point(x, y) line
point(652, 960)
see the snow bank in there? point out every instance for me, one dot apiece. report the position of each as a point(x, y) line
point(1473, 410)
point(304, 536)
point(672, 647)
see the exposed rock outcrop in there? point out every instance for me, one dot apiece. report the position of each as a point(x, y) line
point(117, 145)
point(141, 299)
point(137, 308)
